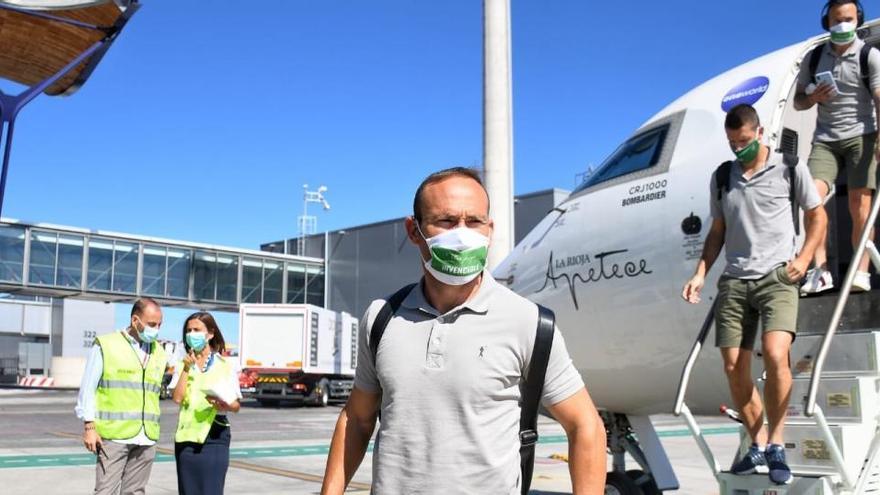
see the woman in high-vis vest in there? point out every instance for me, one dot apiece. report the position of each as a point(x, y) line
point(206, 389)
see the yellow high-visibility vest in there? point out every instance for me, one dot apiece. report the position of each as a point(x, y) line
point(128, 393)
point(196, 413)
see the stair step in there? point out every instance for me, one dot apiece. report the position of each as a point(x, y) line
point(760, 484)
point(807, 453)
point(862, 311)
point(850, 354)
point(853, 399)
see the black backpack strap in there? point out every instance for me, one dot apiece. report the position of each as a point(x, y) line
point(865, 66)
point(791, 161)
point(722, 179)
point(392, 304)
point(815, 55)
point(531, 395)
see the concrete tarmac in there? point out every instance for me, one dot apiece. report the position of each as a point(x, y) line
point(275, 450)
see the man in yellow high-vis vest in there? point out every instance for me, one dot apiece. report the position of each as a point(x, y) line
point(119, 401)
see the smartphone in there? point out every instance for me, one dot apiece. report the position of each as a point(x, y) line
point(826, 77)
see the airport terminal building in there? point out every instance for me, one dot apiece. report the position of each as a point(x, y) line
point(57, 283)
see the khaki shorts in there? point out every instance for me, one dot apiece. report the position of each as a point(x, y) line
point(856, 155)
point(772, 300)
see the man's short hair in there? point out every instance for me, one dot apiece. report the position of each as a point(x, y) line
point(442, 175)
point(741, 115)
point(838, 3)
point(141, 304)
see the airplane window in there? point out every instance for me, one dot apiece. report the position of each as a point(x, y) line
point(638, 153)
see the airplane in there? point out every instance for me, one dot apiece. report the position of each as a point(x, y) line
point(612, 258)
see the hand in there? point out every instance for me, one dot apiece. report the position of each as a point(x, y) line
point(218, 404)
point(92, 440)
point(823, 93)
point(796, 269)
point(691, 290)
point(189, 361)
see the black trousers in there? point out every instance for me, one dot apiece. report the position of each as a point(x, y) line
point(201, 467)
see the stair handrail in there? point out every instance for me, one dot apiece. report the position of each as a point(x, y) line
point(811, 409)
point(692, 359)
point(871, 459)
point(863, 245)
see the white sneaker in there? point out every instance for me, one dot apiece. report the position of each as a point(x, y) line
point(816, 281)
point(862, 282)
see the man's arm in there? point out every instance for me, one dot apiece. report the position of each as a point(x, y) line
point(586, 442)
point(876, 95)
point(350, 439)
point(85, 402)
point(711, 249)
point(816, 221)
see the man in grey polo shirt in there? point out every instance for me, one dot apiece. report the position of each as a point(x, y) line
point(753, 220)
point(448, 369)
point(846, 127)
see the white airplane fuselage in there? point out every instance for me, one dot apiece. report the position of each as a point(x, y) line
point(611, 260)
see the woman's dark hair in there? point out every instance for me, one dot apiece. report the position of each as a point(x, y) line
point(217, 343)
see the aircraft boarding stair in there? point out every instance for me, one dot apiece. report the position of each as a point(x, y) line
point(832, 443)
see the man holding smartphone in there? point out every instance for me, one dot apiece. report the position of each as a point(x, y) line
point(842, 77)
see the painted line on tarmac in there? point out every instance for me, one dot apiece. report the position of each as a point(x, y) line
point(719, 430)
point(237, 454)
point(167, 455)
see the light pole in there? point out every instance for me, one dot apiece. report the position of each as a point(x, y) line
point(308, 224)
point(498, 125)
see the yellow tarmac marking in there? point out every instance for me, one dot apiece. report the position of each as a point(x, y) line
point(289, 474)
point(64, 434)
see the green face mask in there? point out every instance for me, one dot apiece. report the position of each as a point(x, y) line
point(843, 33)
point(457, 256)
point(749, 153)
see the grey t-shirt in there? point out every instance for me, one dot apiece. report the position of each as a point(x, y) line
point(759, 233)
point(450, 389)
point(851, 112)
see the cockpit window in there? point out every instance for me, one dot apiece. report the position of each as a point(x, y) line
point(638, 153)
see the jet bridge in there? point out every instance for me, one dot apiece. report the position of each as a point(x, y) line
point(56, 261)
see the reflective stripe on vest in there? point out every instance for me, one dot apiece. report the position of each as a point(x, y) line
point(128, 416)
point(127, 398)
point(150, 387)
point(196, 413)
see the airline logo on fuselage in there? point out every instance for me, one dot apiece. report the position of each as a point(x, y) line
point(600, 267)
point(748, 92)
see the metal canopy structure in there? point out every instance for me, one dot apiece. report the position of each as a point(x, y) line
point(52, 47)
point(56, 261)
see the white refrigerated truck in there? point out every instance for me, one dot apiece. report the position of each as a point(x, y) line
point(296, 352)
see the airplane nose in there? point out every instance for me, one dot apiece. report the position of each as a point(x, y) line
point(503, 273)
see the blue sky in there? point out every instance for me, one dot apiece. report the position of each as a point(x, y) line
point(202, 123)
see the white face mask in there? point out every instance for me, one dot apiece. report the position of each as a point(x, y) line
point(843, 33)
point(457, 256)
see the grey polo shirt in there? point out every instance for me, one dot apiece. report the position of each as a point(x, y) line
point(450, 387)
point(851, 112)
point(759, 233)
